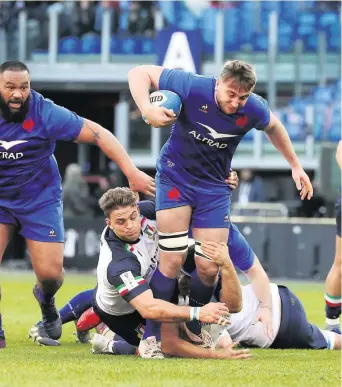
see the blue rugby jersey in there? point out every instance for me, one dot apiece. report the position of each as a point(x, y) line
point(203, 139)
point(29, 175)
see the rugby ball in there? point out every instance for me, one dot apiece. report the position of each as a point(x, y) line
point(167, 99)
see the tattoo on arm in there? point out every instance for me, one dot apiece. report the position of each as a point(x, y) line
point(95, 133)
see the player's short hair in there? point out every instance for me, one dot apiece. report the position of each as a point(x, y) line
point(243, 72)
point(115, 198)
point(13, 65)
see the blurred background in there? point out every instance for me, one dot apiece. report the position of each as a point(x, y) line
point(79, 54)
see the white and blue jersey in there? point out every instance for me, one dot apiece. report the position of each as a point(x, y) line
point(196, 159)
point(30, 183)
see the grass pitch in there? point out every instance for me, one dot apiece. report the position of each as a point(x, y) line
point(25, 364)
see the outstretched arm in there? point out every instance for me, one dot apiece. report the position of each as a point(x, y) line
point(93, 133)
point(278, 136)
point(173, 345)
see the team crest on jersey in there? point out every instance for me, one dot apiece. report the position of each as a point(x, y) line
point(204, 108)
point(241, 122)
point(28, 125)
point(150, 231)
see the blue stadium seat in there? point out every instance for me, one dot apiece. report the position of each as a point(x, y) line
point(322, 94)
point(207, 25)
point(115, 45)
point(147, 46)
point(288, 9)
point(260, 42)
point(232, 29)
point(185, 19)
point(285, 36)
point(69, 45)
point(130, 46)
point(244, 16)
point(307, 24)
point(91, 43)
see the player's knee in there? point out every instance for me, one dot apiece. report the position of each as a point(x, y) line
point(53, 272)
point(337, 260)
point(207, 271)
point(174, 242)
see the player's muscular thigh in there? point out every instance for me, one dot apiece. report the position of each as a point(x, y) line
point(6, 232)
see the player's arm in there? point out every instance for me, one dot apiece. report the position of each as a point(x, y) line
point(93, 133)
point(124, 274)
point(261, 287)
point(339, 154)
point(173, 345)
point(140, 81)
point(152, 308)
point(278, 136)
point(231, 293)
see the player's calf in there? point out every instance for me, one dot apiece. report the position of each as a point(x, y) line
point(50, 315)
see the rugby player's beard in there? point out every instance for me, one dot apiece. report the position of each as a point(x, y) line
point(17, 116)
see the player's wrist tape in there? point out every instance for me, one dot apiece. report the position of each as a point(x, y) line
point(195, 313)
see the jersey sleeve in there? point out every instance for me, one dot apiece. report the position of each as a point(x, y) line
point(125, 275)
point(60, 123)
point(262, 112)
point(240, 251)
point(148, 209)
point(178, 81)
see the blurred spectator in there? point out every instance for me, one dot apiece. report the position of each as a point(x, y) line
point(107, 6)
point(83, 17)
point(77, 200)
point(251, 188)
point(141, 18)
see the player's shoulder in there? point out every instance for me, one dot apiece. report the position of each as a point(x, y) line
point(119, 248)
point(256, 103)
point(41, 105)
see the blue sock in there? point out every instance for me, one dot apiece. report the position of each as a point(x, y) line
point(200, 295)
point(162, 287)
point(1, 330)
point(121, 347)
point(76, 306)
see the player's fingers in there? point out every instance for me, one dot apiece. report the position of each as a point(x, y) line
point(298, 184)
point(243, 356)
point(169, 112)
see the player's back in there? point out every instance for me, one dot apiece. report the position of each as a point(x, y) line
point(203, 139)
point(29, 171)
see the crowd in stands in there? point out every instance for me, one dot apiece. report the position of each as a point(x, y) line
point(133, 23)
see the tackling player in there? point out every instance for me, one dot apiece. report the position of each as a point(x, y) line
point(30, 183)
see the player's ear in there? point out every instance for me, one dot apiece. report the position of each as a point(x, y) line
point(107, 222)
point(216, 84)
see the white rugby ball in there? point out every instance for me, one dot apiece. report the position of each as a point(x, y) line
point(167, 99)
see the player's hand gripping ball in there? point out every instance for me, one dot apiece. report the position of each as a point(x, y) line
point(167, 99)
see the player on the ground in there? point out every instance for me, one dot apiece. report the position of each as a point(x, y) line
point(129, 255)
point(333, 282)
point(290, 325)
point(195, 161)
point(30, 183)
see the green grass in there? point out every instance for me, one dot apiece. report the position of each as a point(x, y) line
point(24, 363)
